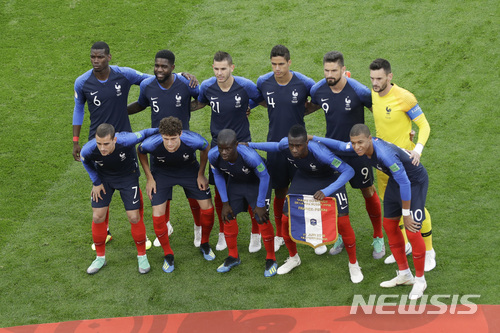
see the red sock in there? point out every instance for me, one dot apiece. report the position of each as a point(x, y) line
point(255, 225)
point(375, 213)
point(267, 232)
point(290, 244)
point(348, 236)
point(161, 231)
point(396, 242)
point(99, 234)
point(417, 243)
point(231, 235)
point(138, 231)
point(195, 210)
point(218, 209)
point(206, 222)
point(278, 212)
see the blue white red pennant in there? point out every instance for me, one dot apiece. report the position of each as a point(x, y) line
point(312, 222)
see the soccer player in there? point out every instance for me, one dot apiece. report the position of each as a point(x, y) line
point(173, 162)
point(248, 185)
point(169, 94)
point(229, 97)
point(394, 109)
point(105, 89)
point(111, 163)
point(285, 94)
point(319, 173)
point(405, 195)
point(343, 100)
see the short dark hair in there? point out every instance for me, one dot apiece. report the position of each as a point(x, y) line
point(227, 136)
point(100, 46)
point(280, 51)
point(170, 126)
point(381, 64)
point(298, 131)
point(359, 129)
point(166, 54)
point(223, 56)
point(104, 130)
point(334, 56)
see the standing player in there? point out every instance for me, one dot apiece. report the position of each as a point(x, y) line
point(169, 94)
point(405, 195)
point(229, 97)
point(105, 89)
point(319, 173)
point(173, 159)
point(394, 109)
point(111, 163)
point(285, 94)
point(247, 186)
point(343, 100)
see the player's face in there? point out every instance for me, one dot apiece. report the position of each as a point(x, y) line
point(105, 145)
point(100, 60)
point(380, 80)
point(281, 67)
point(171, 143)
point(298, 147)
point(222, 70)
point(333, 72)
point(163, 69)
point(228, 152)
point(362, 144)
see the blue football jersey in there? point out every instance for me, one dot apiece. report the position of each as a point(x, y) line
point(285, 103)
point(182, 162)
point(342, 110)
point(229, 109)
point(320, 162)
point(249, 167)
point(106, 101)
point(174, 101)
point(121, 163)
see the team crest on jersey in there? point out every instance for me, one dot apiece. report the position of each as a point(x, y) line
point(237, 98)
point(295, 95)
point(388, 109)
point(178, 99)
point(118, 88)
point(123, 156)
point(347, 104)
point(313, 167)
point(245, 170)
point(185, 156)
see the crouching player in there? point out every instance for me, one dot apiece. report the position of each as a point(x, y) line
point(319, 173)
point(248, 184)
point(110, 161)
point(405, 195)
point(174, 162)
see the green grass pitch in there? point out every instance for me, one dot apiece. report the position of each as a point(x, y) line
point(445, 52)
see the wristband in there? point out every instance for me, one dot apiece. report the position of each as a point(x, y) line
point(406, 212)
point(418, 148)
point(75, 139)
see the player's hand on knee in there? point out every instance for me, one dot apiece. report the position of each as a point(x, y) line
point(227, 212)
point(319, 195)
point(261, 215)
point(410, 224)
point(96, 192)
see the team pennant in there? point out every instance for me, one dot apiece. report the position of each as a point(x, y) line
point(312, 222)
